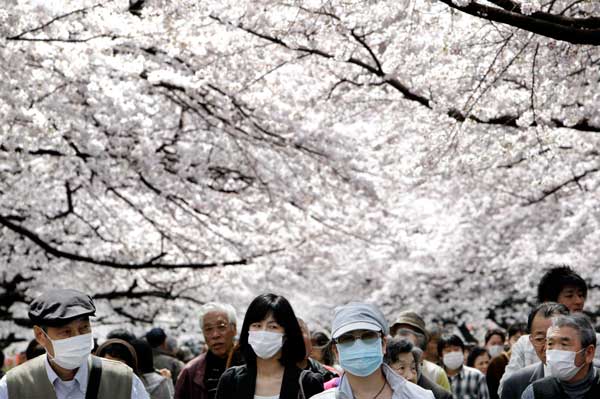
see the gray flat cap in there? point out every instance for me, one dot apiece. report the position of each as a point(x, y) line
point(60, 306)
point(358, 316)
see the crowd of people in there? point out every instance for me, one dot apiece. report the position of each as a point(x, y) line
point(274, 355)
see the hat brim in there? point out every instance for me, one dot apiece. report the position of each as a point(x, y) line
point(411, 324)
point(361, 325)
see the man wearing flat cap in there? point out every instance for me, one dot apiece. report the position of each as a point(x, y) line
point(67, 370)
point(359, 333)
point(410, 325)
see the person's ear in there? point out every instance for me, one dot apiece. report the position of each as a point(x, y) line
point(590, 352)
point(384, 344)
point(41, 338)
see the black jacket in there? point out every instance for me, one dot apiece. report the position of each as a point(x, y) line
point(550, 388)
point(240, 382)
point(438, 391)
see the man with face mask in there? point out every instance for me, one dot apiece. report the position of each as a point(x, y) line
point(570, 350)
point(466, 382)
point(359, 333)
point(559, 284)
point(538, 322)
point(67, 370)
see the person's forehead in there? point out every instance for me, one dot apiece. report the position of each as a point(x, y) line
point(452, 348)
point(215, 316)
point(541, 323)
point(571, 289)
point(406, 357)
point(562, 333)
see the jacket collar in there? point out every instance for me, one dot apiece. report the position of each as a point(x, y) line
point(395, 381)
point(200, 371)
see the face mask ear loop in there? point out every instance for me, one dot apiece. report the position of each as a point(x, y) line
point(51, 343)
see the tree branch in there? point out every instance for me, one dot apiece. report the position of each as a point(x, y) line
point(148, 264)
point(572, 30)
point(454, 113)
point(548, 192)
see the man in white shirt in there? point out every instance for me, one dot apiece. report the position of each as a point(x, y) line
point(67, 370)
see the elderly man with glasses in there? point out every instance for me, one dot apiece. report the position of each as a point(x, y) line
point(199, 378)
point(359, 333)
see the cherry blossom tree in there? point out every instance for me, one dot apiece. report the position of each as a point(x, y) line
point(422, 154)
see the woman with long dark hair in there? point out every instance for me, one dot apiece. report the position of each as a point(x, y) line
point(272, 344)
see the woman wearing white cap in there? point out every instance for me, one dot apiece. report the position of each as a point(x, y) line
point(359, 333)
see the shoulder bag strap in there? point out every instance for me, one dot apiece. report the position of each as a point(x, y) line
point(94, 380)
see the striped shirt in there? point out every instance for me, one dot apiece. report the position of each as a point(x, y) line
point(469, 384)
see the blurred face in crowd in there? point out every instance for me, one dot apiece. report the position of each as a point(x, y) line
point(572, 298)
point(408, 332)
point(406, 367)
point(494, 340)
point(482, 362)
point(513, 339)
point(539, 329)
point(431, 352)
point(218, 333)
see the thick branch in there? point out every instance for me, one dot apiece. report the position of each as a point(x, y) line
point(572, 30)
point(149, 264)
point(53, 20)
point(454, 113)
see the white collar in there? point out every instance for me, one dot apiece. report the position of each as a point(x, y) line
point(81, 376)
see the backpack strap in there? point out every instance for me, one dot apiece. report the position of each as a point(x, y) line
point(94, 380)
point(301, 394)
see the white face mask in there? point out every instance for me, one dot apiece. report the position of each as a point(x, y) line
point(265, 343)
point(70, 353)
point(562, 363)
point(453, 360)
point(495, 350)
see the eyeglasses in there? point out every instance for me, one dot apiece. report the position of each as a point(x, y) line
point(348, 339)
point(221, 327)
point(538, 340)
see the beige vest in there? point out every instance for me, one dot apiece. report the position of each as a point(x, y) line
point(30, 380)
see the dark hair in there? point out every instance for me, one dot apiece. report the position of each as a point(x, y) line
point(121, 333)
point(517, 328)
point(119, 349)
point(34, 349)
point(474, 354)
point(156, 337)
point(449, 340)
point(395, 347)
point(557, 279)
point(144, 356)
point(494, 331)
point(1, 360)
point(293, 349)
point(547, 309)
